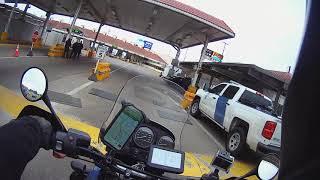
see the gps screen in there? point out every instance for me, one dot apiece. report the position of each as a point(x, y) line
point(122, 128)
point(166, 158)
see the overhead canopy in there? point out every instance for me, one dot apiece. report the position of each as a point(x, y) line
point(168, 21)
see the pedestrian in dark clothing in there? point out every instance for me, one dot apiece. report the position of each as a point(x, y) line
point(80, 47)
point(30, 134)
point(66, 48)
point(74, 51)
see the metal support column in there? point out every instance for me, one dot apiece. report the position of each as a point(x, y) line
point(276, 100)
point(25, 10)
point(203, 53)
point(175, 61)
point(211, 79)
point(45, 24)
point(95, 39)
point(10, 17)
point(74, 18)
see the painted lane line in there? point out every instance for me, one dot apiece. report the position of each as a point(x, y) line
point(77, 89)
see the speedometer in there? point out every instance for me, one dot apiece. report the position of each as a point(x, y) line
point(144, 137)
point(166, 141)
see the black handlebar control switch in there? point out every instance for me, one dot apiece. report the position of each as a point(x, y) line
point(67, 143)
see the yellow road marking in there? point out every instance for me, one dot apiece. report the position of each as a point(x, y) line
point(13, 104)
point(195, 165)
point(239, 168)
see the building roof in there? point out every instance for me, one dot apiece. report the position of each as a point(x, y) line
point(280, 75)
point(197, 13)
point(110, 40)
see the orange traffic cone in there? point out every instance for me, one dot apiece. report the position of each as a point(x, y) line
point(16, 54)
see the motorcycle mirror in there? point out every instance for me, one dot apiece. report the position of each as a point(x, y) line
point(34, 84)
point(267, 170)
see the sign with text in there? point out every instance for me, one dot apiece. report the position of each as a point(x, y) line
point(217, 57)
point(209, 52)
point(101, 52)
point(147, 45)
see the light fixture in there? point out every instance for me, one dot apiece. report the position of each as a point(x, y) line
point(155, 11)
point(204, 29)
point(188, 36)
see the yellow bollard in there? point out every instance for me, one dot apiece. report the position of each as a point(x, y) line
point(188, 97)
point(4, 36)
point(56, 51)
point(38, 44)
point(100, 72)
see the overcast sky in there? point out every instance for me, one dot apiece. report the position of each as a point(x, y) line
point(268, 33)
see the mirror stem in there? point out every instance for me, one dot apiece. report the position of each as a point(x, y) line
point(47, 101)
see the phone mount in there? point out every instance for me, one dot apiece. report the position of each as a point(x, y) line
point(223, 161)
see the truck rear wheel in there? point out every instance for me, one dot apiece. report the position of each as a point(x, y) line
point(194, 109)
point(236, 141)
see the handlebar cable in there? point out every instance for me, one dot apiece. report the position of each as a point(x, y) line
point(97, 157)
point(118, 162)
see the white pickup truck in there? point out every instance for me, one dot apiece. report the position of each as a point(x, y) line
point(245, 114)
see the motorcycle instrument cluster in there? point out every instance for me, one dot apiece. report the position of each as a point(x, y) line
point(166, 141)
point(144, 137)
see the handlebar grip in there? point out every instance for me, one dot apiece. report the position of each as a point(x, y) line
point(68, 142)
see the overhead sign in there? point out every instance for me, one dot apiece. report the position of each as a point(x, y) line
point(217, 57)
point(101, 52)
point(77, 31)
point(147, 45)
point(209, 52)
point(143, 43)
point(139, 42)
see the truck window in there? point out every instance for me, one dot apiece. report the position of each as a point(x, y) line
point(256, 101)
point(217, 89)
point(230, 92)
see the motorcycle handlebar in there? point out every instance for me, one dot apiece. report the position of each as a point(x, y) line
point(74, 143)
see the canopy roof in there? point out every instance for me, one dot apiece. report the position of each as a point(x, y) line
point(168, 21)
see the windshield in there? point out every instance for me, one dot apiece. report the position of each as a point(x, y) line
point(160, 101)
point(256, 101)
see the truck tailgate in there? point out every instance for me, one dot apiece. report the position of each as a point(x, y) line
point(276, 138)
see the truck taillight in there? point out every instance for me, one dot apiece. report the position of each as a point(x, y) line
point(269, 129)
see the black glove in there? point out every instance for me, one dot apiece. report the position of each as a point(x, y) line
point(46, 132)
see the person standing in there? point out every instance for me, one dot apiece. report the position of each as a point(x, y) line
point(80, 47)
point(66, 48)
point(74, 51)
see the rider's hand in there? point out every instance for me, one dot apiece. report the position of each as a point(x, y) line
point(46, 132)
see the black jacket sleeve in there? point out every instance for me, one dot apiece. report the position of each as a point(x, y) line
point(19, 142)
